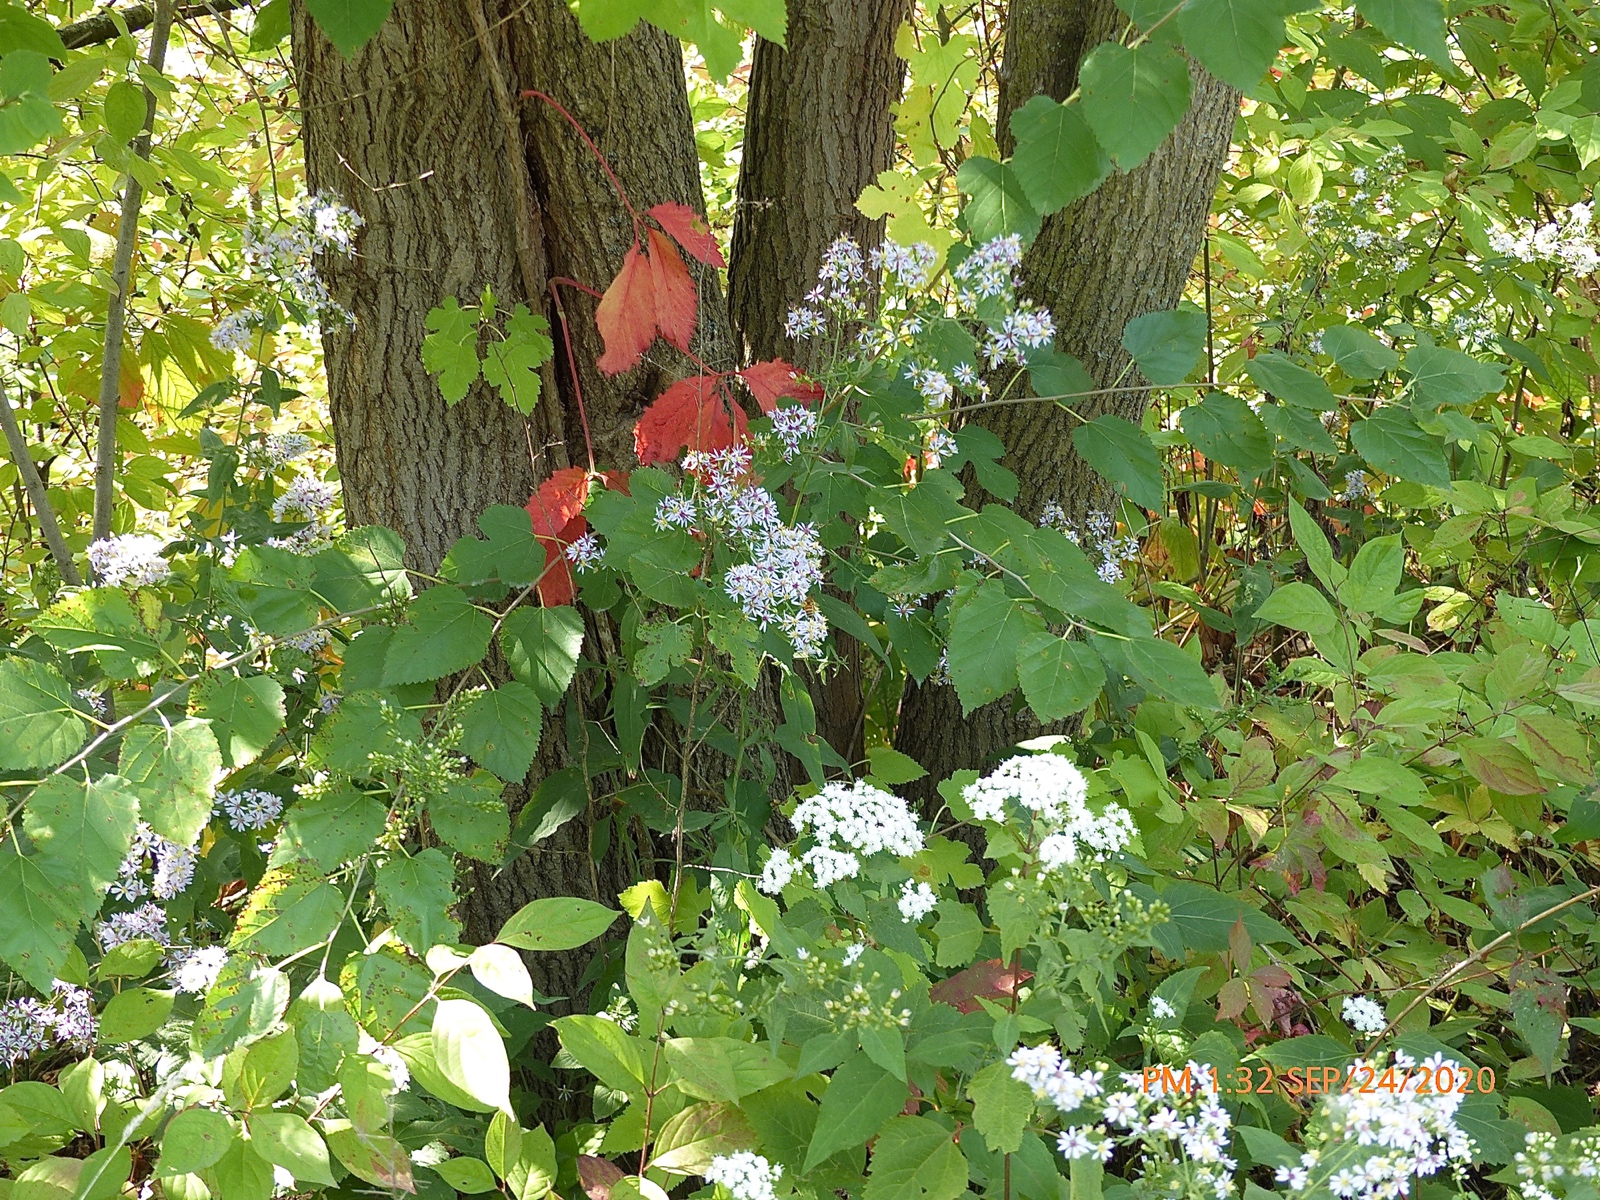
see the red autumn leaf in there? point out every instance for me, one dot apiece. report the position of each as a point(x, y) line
point(674, 292)
point(597, 1175)
point(693, 413)
point(776, 380)
point(992, 980)
point(627, 314)
point(688, 228)
point(558, 521)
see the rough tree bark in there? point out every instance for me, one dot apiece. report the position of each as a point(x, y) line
point(408, 134)
point(818, 130)
point(1123, 251)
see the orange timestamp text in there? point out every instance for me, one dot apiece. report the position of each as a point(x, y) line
point(1360, 1078)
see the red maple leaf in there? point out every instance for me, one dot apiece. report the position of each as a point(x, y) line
point(627, 314)
point(696, 413)
point(674, 292)
point(992, 980)
point(688, 228)
point(776, 380)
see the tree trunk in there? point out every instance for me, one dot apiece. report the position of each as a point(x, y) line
point(818, 130)
point(1123, 251)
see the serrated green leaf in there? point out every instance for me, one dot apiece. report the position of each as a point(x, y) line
point(36, 936)
point(998, 205)
point(39, 721)
point(1124, 454)
point(246, 713)
point(470, 816)
point(417, 894)
point(450, 351)
point(1393, 443)
point(331, 827)
point(1057, 159)
point(541, 646)
point(500, 729)
point(1236, 40)
point(349, 24)
point(444, 634)
point(985, 633)
point(1415, 24)
point(291, 909)
point(1133, 98)
point(861, 1097)
point(1166, 345)
point(82, 832)
point(511, 365)
point(1059, 676)
point(1168, 672)
point(173, 768)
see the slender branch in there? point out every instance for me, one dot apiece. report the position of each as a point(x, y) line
point(102, 26)
point(1482, 953)
point(105, 457)
point(48, 525)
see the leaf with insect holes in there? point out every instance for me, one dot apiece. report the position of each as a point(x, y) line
point(776, 380)
point(626, 314)
point(674, 292)
point(688, 228)
point(696, 413)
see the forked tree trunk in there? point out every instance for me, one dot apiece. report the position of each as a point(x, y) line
point(1123, 251)
point(818, 130)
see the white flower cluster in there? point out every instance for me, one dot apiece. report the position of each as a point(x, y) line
point(128, 560)
point(847, 822)
point(1372, 1144)
point(1053, 789)
point(147, 921)
point(1364, 1015)
point(916, 901)
point(784, 562)
point(28, 1025)
point(173, 867)
point(585, 553)
point(988, 271)
point(1098, 539)
point(910, 267)
point(1356, 487)
point(1550, 1168)
point(747, 1176)
point(841, 290)
point(1568, 242)
point(1178, 1109)
point(792, 425)
point(194, 971)
point(278, 450)
point(283, 258)
point(249, 809)
point(307, 499)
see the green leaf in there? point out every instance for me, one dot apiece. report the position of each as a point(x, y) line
point(1358, 353)
point(1059, 676)
point(1298, 606)
point(613, 1057)
point(22, 30)
point(195, 1139)
point(1166, 345)
point(1415, 24)
point(510, 555)
point(861, 1097)
point(349, 24)
point(690, 1139)
point(125, 110)
point(445, 634)
point(271, 25)
point(173, 768)
point(246, 713)
point(1236, 40)
point(997, 205)
point(255, 1075)
point(541, 646)
point(1499, 765)
point(293, 908)
point(888, 765)
point(469, 1175)
point(1169, 672)
point(1442, 377)
point(500, 729)
point(1057, 159)
point(36, 936)
point(1133, 98)
point(1393, 443)
point(556, 923)
point(1124, 454)
point(511, 365)
point(39, 722)
point(374, 1157)
point(240, 1008)
point(470, 816)
point(985, 634)
point(417, 894)
point(1288, 380)
point(450, 351)
point(470, 1052)
point(325, 1031)
point(133, 1014)
point(1224, 429)
point(604, 20)
point(1202, 919)
point(916, 1158)
point(722, 1068)
point(533, 1175)
point(82, 832)
point(285, 1140)
point(501, 970)
point(1001, 1107)
point(331, 827)
point(102, 620)
point(1314, 545)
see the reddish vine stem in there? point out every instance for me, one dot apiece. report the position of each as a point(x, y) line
point(572, 363)
point(638, 222)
